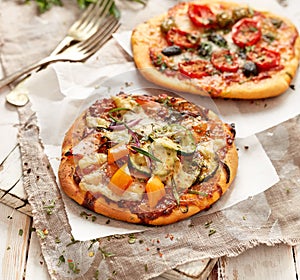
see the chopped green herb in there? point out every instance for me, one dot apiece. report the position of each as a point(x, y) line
point(131, 239)
point(269, 37)
point(97, 273)
point(250, 48)
point(146, 268)
point(207, 224)
point(49, 208)
point(211, 232)
point(118, 109)
point(61, 260)
point(197, 192)
point(106, 254)
point(57, 240)
point(73, 267)
point(41, 233)
point(276, 22)
point(87, 216)
point(21, 232)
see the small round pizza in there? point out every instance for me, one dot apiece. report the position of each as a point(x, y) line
point(218, 49)
point(147, 159)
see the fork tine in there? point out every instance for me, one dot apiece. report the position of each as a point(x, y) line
point(100, 9)
point(80, 30)
point(109, 20)
point(101, 37)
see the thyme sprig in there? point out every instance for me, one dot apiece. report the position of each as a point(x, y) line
point(145, 153)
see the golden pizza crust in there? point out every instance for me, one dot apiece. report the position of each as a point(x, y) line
point(149, 32)
point(112, 210)
point(221, 180)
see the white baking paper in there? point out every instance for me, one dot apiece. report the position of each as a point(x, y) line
point(61, 92)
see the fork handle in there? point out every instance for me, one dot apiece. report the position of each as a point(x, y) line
point(27, 70)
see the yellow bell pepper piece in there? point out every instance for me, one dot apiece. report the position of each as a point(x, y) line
point(155, 190)
point(121, 180)
point(117, 152)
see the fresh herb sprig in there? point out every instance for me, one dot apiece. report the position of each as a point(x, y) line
point(45, 5)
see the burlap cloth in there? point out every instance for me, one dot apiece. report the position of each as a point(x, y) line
point(271, 217)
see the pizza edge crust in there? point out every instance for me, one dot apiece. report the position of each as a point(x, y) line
point(111, 210)
point(266, 88)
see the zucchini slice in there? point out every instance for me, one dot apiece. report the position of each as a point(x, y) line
point(182, 139)
point(139, 165)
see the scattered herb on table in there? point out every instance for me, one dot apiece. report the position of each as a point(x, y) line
point(207, 224)
point(73, 266)
point(57, 240)
point(42, 233)
point(49, 207)
point(61, 260)
point(106, 254)
point(132, 238)
point(96, 276)
point(87, 216)
point(211, 232)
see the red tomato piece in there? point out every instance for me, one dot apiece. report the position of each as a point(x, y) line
point(225, 61)
point(194, 69)
point(181, 38)
point(264, 59)
point(201, 15)
point(246, 32)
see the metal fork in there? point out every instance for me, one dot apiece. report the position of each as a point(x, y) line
point(75, 53)
point(86, 25)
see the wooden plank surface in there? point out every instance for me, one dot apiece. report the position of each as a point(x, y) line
point(36, 267)
point(12, 192)
point(262, 262)
point(14, 233)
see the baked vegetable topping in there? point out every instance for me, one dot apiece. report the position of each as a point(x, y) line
point(161, 150)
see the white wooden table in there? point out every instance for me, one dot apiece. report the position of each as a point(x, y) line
point(20, 252)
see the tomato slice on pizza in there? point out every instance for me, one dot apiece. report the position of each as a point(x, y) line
point(264, 58)
point(182, 38)
point(246, 32)
point(201, 15)
point(225, 61)
point(194, 69)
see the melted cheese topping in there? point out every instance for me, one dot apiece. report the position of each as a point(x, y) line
point(167, 165)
